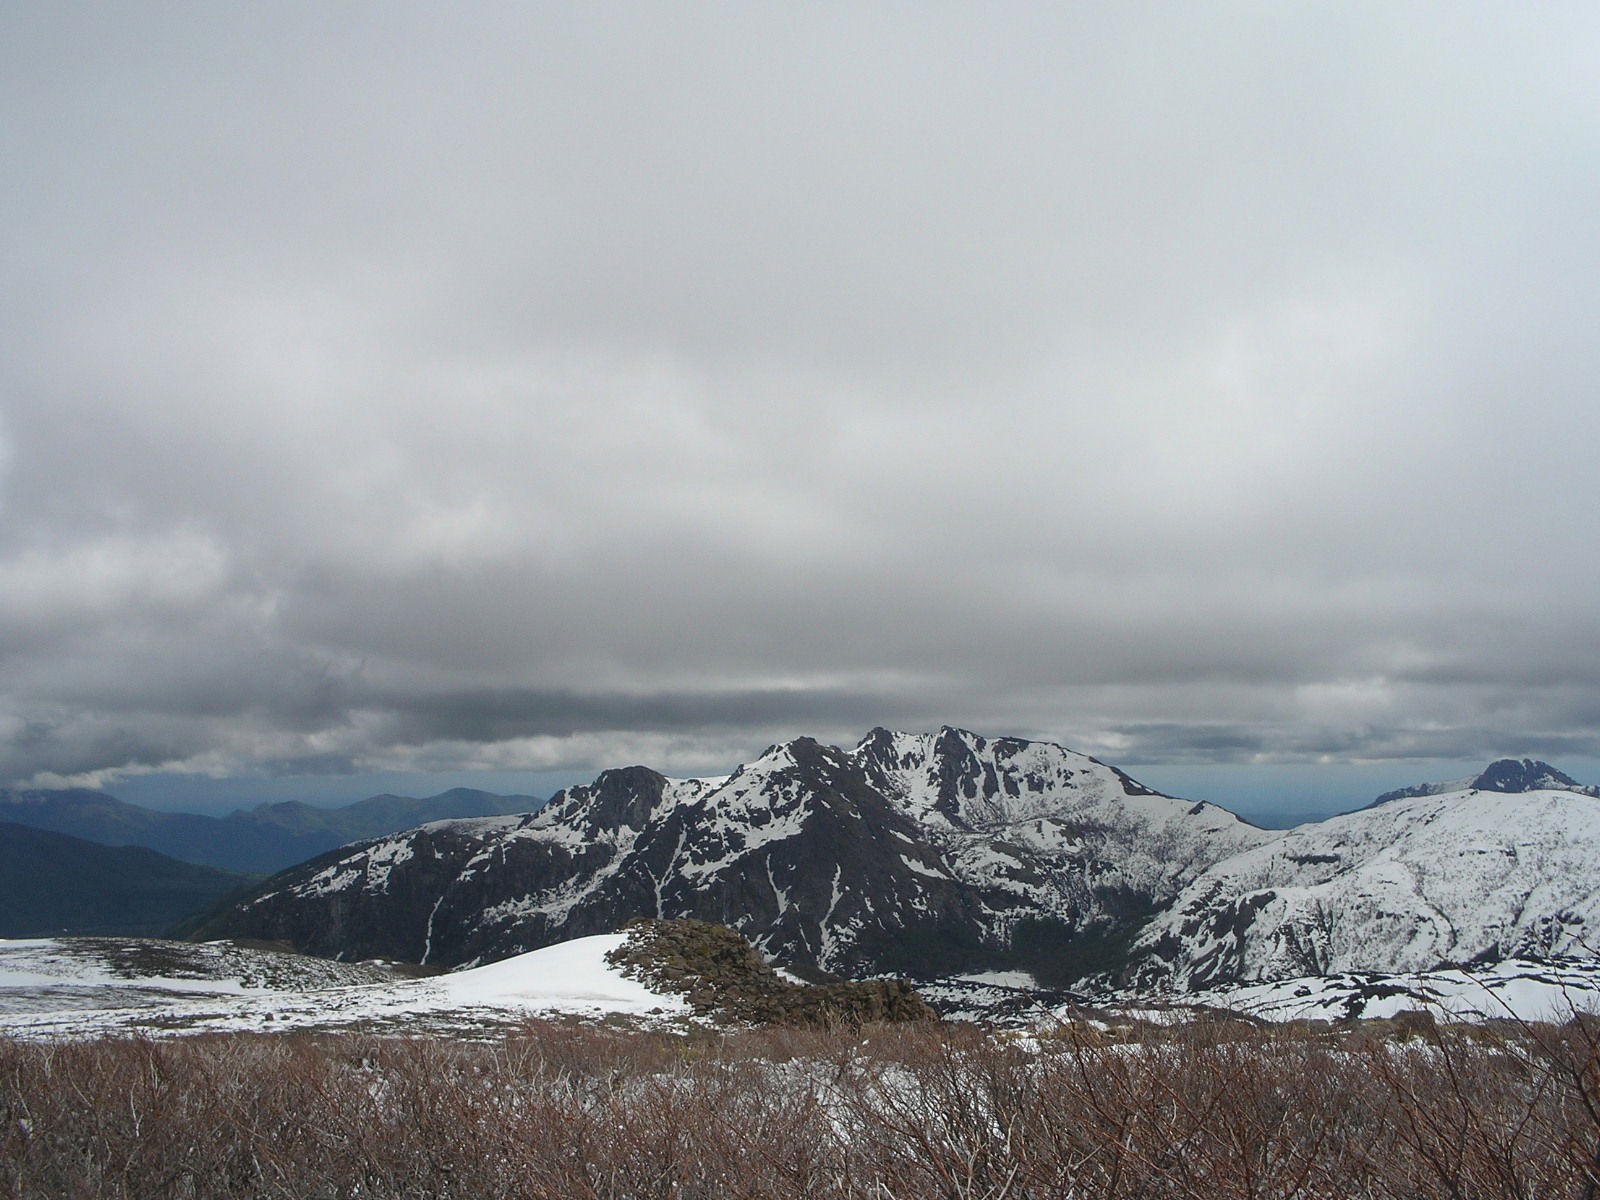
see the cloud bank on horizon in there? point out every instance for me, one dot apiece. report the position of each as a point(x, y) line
point(386, 389)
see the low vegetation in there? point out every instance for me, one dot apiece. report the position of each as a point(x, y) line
point(723, 976)
point(1210, 1110)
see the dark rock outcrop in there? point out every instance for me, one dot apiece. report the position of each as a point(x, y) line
point(1510, 776)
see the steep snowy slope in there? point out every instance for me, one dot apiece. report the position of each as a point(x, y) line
point(914, 854)
point(1402, 886)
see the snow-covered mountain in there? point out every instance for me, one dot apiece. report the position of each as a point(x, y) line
point(949, 854)
point(1469, 874)
point(918, 854)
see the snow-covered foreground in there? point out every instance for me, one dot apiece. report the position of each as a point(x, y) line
point(97, 987)
point(89, 987)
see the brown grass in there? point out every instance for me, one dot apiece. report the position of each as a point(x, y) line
point(880, 1113)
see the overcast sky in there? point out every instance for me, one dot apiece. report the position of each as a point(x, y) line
point(400, 388)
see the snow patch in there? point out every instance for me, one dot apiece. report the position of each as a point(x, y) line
point(48, 991)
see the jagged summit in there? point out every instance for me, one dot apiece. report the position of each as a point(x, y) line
point(1508, 775)
point(962, 780)
point(1526, 775)
point(910, 853)
point(952, 854)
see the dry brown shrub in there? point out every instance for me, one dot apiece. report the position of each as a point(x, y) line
point(887, 1112)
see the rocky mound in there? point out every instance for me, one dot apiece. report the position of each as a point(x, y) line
point(722, 976)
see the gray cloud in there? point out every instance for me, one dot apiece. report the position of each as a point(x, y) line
point(522, 713)
point(526, 390)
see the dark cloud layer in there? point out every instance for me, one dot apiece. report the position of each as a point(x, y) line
point(532, 390)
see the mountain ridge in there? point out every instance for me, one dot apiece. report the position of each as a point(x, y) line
point(1505, 775)
point(1440, 877)
point(53, 884)
point(911, 853)
point(933, 855)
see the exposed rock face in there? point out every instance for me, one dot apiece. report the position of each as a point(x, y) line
point(918, 855)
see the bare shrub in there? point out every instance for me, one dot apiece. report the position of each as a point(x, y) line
point(883, 1112)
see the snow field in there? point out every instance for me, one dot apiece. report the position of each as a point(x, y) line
point(47, 989)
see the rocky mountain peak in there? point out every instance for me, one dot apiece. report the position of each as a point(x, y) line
point(916, 853)
point(961, 780)
point(1511, 776)
point(1523, 775)
point(622, 796)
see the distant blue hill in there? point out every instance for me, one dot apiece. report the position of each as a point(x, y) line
point(257, 840)
point(52, 884)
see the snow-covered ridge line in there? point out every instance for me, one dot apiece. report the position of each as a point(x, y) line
point(950, 853)
point(904, 854)
point(1449, 877)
